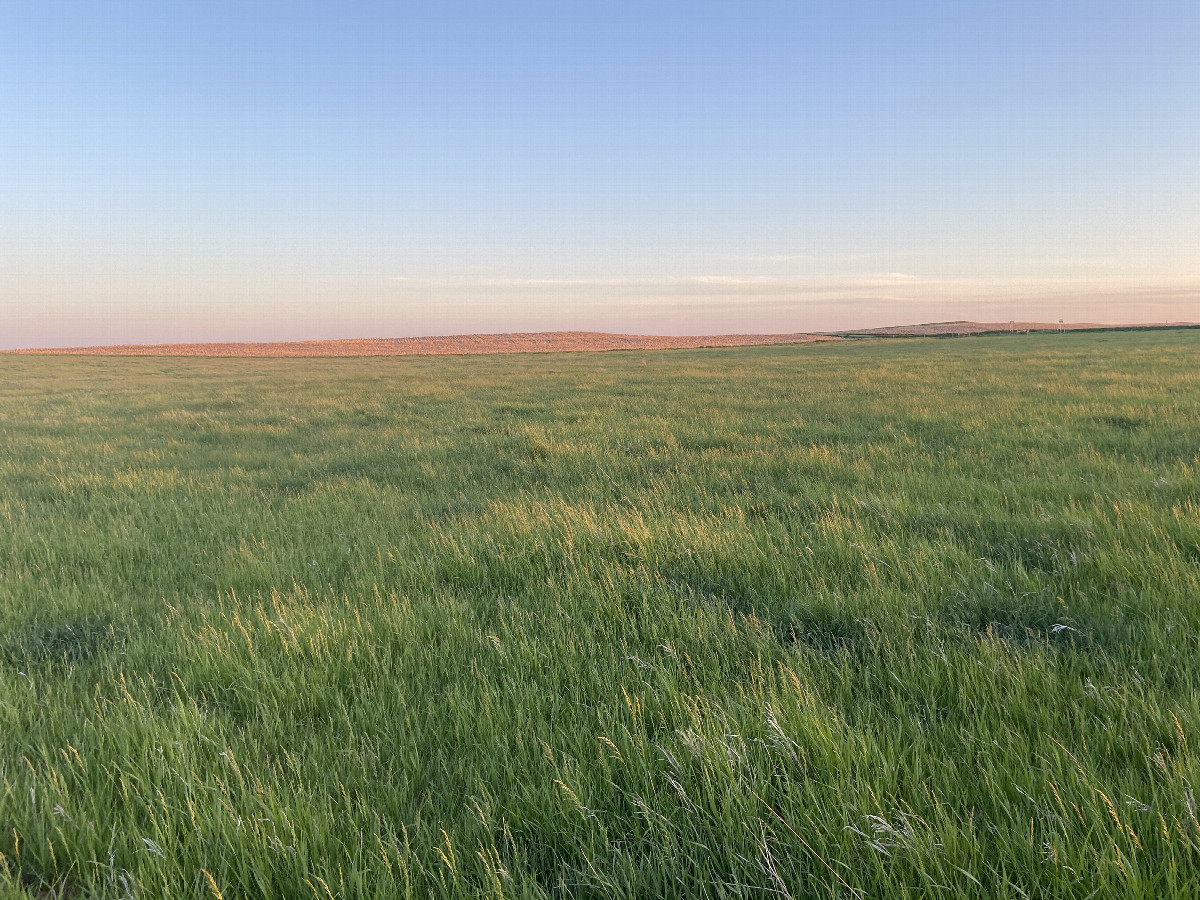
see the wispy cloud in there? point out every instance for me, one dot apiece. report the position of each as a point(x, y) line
point(753, 283)
point(491, 281)
point(885, 285)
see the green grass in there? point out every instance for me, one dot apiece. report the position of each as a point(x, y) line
point(890, 619)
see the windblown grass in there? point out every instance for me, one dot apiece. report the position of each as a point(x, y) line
point(915, 618)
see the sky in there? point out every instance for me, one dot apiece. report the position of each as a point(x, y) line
point(184, 171)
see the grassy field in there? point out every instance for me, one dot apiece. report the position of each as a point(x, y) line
point(891, 619)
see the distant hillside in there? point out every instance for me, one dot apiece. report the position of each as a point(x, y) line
point(560, 341)
point(538, 342)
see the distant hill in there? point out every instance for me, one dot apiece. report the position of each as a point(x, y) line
point(536, 342)
point(560, 341)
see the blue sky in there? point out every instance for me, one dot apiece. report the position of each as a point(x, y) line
point(208, 171)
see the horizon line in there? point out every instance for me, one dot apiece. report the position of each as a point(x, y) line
point(573, 340)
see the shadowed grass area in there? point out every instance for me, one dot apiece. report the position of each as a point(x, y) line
point(883, 619)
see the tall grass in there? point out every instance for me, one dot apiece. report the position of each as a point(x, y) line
point(904, 619)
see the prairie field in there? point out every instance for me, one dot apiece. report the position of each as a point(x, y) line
point(895, 618)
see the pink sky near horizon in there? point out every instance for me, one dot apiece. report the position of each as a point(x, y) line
point(412, 307)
